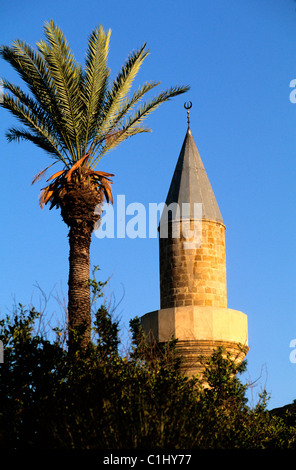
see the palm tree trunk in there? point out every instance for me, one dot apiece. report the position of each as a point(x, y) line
point(79, 315)
point(78, 211)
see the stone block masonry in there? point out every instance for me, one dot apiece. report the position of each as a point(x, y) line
point(194, 276)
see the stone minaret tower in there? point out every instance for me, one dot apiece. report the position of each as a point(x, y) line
point(192, 262)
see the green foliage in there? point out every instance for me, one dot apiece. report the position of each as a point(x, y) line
point(31, 369)
point(225, 413)
point(99, 399)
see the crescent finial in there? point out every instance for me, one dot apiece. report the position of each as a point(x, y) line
point(188, 105)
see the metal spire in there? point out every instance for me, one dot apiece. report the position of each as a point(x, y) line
point(190, 183)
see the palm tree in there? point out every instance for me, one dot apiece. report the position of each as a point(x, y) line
point(76, 115)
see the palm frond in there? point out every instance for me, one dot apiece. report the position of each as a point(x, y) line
point(66, 77)
point(120, 88)
point(129, 104)
point(107, 190)
point(40, 113)
point(41, 133)
point(57, 174)
point(95, 81)
point(34, 71)
point(99, 173)
point(45, 195)
point(41, 174)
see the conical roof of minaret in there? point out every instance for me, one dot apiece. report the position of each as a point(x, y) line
point(190, 183)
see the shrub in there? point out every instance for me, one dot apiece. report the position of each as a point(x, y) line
point(100, 399)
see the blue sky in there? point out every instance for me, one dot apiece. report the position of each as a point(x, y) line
point(239, 57)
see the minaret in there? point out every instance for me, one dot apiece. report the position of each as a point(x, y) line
point(192, 264)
